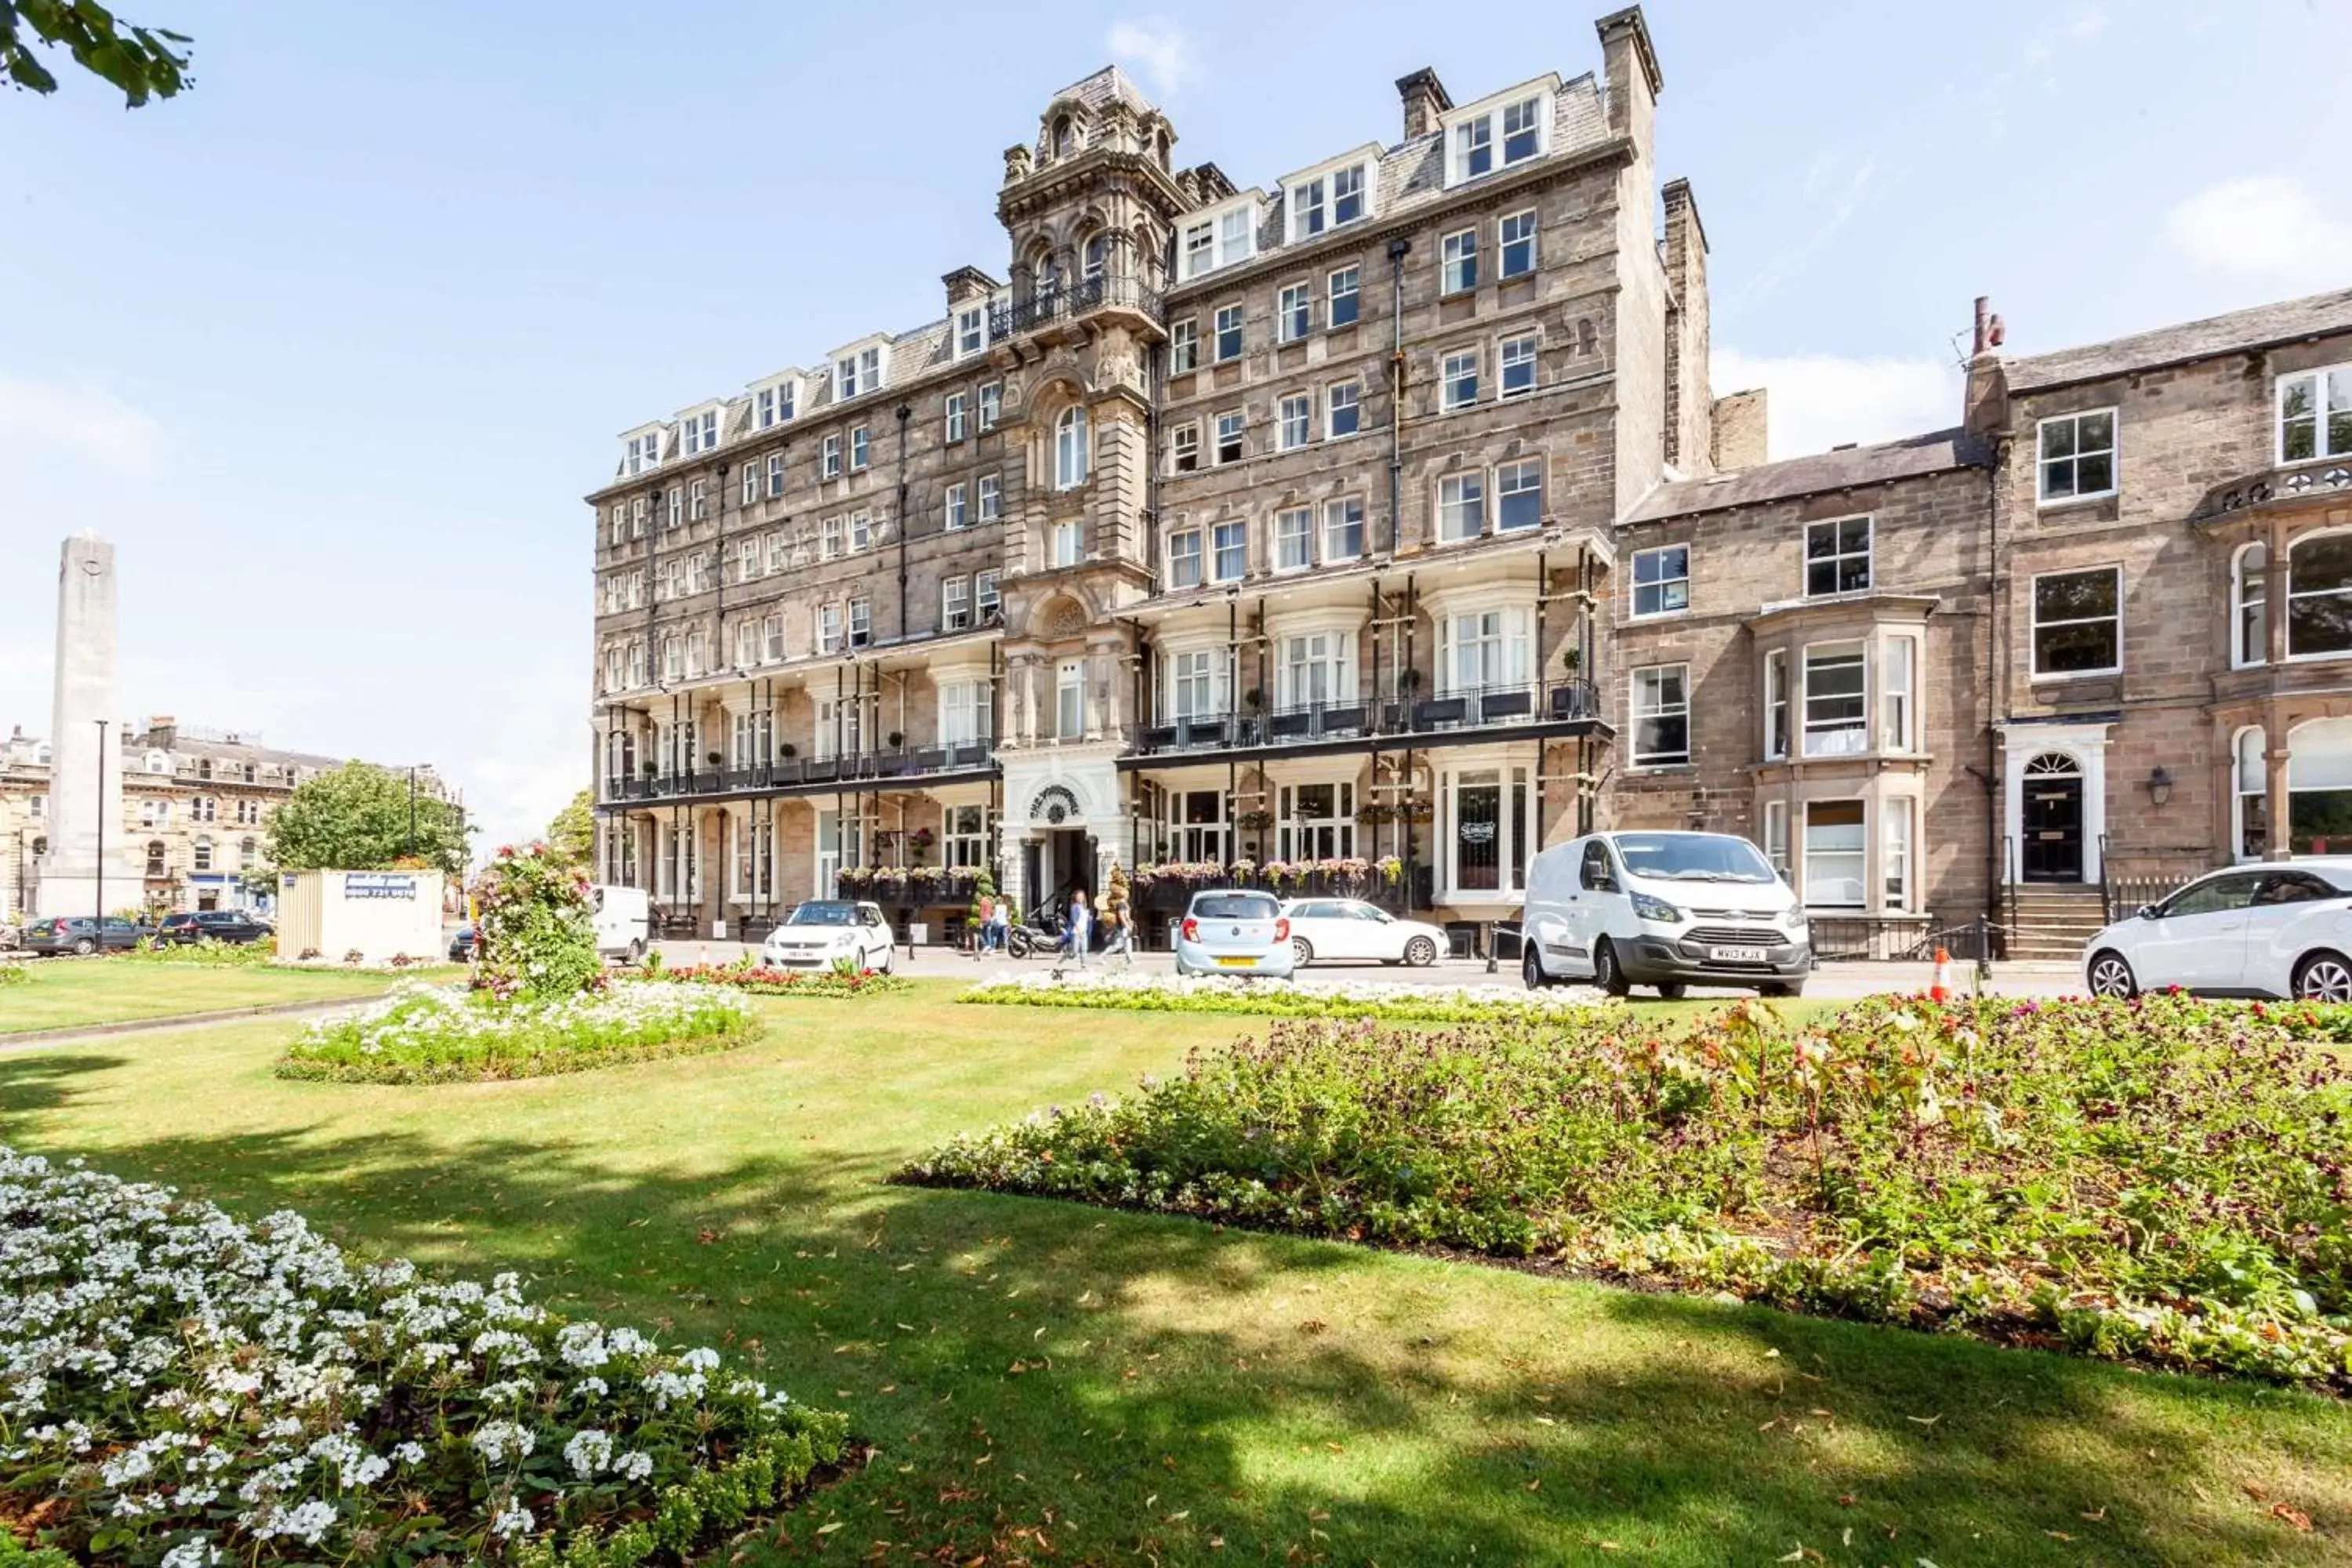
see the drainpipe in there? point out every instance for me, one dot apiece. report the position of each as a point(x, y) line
point(1398, 248)
point(905, 412)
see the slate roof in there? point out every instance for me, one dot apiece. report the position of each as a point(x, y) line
point(1911, 457)
point(2286, 322)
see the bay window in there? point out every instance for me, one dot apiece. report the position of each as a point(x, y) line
point(1776, 705)
point(2250, 621)
point(2319, 597)
point(1776, 835)
point(1897, 661)
point(1483, 650)
point(1894, 852)
point(1835, 852)
point(1196, 685)
point(967, 711)
point(1836, 697)
point(1316, 670)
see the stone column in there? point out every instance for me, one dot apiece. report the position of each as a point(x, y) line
point(86, 771)
point(2275, 754)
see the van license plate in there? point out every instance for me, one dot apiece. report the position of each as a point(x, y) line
point(1236, 963)
point(1735, 954)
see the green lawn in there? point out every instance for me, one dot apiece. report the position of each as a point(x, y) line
point(66, 993)
point(1049, 1383)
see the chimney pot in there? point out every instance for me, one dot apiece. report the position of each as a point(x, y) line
point(1425, 99)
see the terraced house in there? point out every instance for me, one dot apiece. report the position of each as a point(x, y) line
point(1262, 523)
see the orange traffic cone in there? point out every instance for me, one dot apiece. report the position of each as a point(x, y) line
point(1941, 991)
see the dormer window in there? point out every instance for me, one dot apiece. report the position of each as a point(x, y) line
point(1474, 149)
point(855, 373)
point(1328, 200)
point(1500, 133)
point(970, 330)
point(1220, 239)
point(772, 405)
point(1066, 136)
point(643, 452)
point(1521, 135)
point(701, 432)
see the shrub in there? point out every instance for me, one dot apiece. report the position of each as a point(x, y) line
point(2166, 1180)
point(14, 974)
point(178, 1387)
point(207, 951)
point(1271, 999)
point(843, 979)
point(423, 1034)
point(536, 933)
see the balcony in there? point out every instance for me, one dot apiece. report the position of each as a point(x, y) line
point(910, 766)
point(1070, 301)
point(1557, 707)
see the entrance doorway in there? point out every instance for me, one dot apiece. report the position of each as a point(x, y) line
point(1055, 862)
point(2052, 819)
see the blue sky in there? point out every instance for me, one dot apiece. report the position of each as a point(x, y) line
point(331, 346)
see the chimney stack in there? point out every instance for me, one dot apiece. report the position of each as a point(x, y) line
point(1424, 100)
point(1634, 81)
point(1984, 400)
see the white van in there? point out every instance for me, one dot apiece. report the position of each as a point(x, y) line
point(623, 921)
point(1662, 909)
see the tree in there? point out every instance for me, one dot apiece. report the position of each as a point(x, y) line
point(357, 818)
point(140, 60)
point(572, 834)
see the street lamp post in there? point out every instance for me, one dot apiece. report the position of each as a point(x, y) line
point(99, 896)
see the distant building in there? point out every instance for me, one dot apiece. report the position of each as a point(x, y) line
point(196, 807)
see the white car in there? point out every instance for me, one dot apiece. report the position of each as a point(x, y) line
point(2279, 930)
point(823, 933)
point(1327, 931)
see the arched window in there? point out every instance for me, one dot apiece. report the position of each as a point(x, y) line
point(157, 861)
point(1161, 146)
point(1049, 277)
point(201, 857)
point(2250, 621)
point(248, 855)
point(2319, 787)
point(2319, 597)
point(157, 763)
point(1070, 451)
point(1097, 258)
point(1066, 136)
point(2251, 789)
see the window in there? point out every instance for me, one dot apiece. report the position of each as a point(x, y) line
point(967, 714)
point(695, 664)
point(637, 519)
point(1344, 298)
point(991, 498)
point(2250, 632)
point(830, 535)
point(203, 859)
point(859, 450)
point(1294, 540)
point(697, 501)
point(1343, 530)
point(1776, 835)
point(971, 330)
point(1184, 558)
point(1515, 237)
point(1895, 856)
point(775, 475)
point(1196, 685)
point(861, 622)
point(1229, 543)
point(1662, 580)
point(1070, 699)
point(1518, 357)
point(2315, 415)
point(1345, 411)
point(1229, 333)
point(1835, 849)
point(1297, 422)
point(1315, 670)
point(1461, 507)
point(1310, 213)
point(1895, 676)
point(954, 510)
point(1200, 248)
point(2254, 794)
point(1837, 556)
point(620, 524)
point(955, 604)
point(955, 405)
point(861, 531)
point(1067, 542)
point(1776, 705)
point(855, 374)
point(1184, 447)
point(991, 406)
point(772, 636)
point(787, 392)
point(1348, 194)
point(676, 506)
point(1229, 437)
point(1522, 130)
point(1294, 314)
point(701, 432)
point(829, 464)
point(1460, 381)
point(1070, 449)
point(747, 643)
point(2319, 597)
point(1483, 650)
point(2078, 622)
point(202, 809)
point(1662, 715)
point(750, 483)
point(2078, 456)
point(1196, 825)
point(1460, 255)
point(1473, 148)
point(1518, 495)
point(673, 658)
point(1184, 347)
point(1836, 700)
point(1221, 241)
point(828, 628)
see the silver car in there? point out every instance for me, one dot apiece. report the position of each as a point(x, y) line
point(1233, 931)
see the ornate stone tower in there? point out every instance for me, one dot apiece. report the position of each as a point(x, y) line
point(89, 865)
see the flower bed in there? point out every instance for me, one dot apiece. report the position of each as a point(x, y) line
point(1264, 999)
point(2166, 1180)
point(176, 1387)
point(425, 1033)
point(763, 981)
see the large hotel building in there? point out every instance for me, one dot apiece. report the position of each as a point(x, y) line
point(1375, 526)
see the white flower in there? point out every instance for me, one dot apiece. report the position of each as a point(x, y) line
point(589, 1453)
point(496, 1439)
point(512, 1520)
point(634, 1467)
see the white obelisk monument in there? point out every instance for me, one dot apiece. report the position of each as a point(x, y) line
point(86, 760)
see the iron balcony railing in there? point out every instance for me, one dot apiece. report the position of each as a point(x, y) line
point(1048, 305)
point(785, 773)
point(1393, 713)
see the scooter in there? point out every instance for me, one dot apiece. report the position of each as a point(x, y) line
point(1041, 931)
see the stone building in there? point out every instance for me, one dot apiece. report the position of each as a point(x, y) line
point(195, 807)
point(1266, 523)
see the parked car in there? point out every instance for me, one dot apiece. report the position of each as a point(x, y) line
point(1328, 930)
point(1662, 909)
point(1235, 931)
point(216, 925)
point(461, 944)
point(623, 921)
point(84, 934)
point(2278, 930)
point(823, 931)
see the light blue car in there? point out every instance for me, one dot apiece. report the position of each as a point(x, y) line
point(1233, 931)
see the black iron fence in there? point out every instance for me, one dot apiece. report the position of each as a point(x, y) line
point(1048, 305)
point(1401, 714)
point(905, 762)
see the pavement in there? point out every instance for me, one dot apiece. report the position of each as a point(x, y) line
point(1836, 981)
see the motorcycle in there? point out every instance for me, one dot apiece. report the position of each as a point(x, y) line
point(1041, 931)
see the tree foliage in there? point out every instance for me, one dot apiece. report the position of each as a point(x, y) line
point(141, 61)
point(538, 938)
point(572, 835)
point(356, 818)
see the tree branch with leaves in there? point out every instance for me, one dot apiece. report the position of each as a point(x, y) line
point(142, 61)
